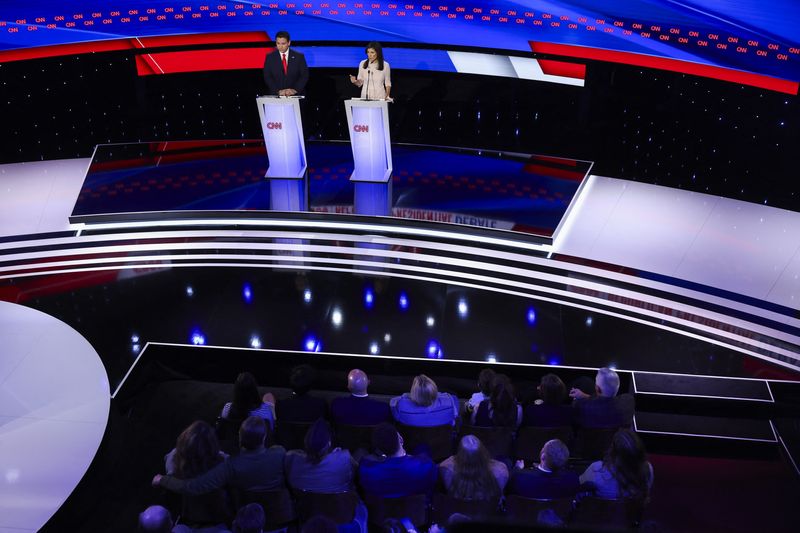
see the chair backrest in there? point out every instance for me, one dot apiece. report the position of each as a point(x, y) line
point(354, 437)
point(439, 439)
point(338, 506)
point(527, 510)
point(623, 513)
point(593, 443)
point(413, 507)
point(498, 440)
point(445, 506)
point(530, 440)
point(278, 506)
point(291, 435)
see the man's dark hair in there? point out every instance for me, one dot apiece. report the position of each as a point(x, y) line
point(385, 439)
point(252, 433)
point(249, 519)
point(284, 34)
point(301, 379)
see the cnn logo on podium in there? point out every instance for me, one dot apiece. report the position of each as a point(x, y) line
point(274, 125)
point(361, 128)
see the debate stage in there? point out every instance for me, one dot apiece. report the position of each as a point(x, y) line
point(520, 260)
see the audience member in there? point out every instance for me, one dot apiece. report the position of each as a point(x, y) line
point(605, 408)
point(390, 472)
point(424, 405)
point(549, 410)
point(320, 467)
point(471, 474)
point(550, 479)
point(248, 402)
point(301, 406)
point(256, 468)
point(625, 471)
point(196, 452)
point(319, 524)
point(359, 409)
point(155, 519)
point(501, 409)
point(250, 519)
point(485, 387)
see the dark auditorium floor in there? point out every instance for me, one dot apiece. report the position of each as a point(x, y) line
point(690, 493)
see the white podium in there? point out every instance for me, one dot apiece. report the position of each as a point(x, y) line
point(368, 124)
point(286, 149)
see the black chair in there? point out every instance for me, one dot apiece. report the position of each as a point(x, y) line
point(531, 439)
point(592, 444)
point(623, 513)
point(498, 440)
point(228, 434)
point(414, 507)
point(445, 506)
point(354, 437)
point(278, 506)
point(292, 435)
point(520, 509)
point(439, 439)
point(338, 506)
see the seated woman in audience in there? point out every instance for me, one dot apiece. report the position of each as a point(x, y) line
point(247, 401)
point(550, 410)
point(319, 467)
point(471, 474)
point(196, 452)
point(424, 405)
point(625, 472)
point(501, 409)
point(485, 386)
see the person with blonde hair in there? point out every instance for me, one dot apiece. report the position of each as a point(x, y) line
point(471, 474)
point(424, 405)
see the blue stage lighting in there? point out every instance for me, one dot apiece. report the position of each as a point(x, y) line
point(337, 317)
point(491, 358)
point(554, 360)
point(312, 344)
point(589, 321)
point(189, 291)
point(197, 337)
point(403, 301)
point(531, 316)
point(369, 298)
point(255, 341)
point(307, 296)
point(247, 293)
point(430, 321)
point(463, 308)
point(433, 351)
point(374, 348)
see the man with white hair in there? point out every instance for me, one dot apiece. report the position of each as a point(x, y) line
point(359, 409)
point(604, 408)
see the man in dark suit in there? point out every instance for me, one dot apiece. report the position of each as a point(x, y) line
point(548, 480)
point(285, 70)
point(605, 409)
point(359, 409)
point(301, 406)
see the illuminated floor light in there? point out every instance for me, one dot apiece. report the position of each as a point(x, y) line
point(369, 298)
point(387, 338)
point(589, 321)
point(531, 316)
point(336, 317)
point(312, 344)
point(430, 321)
point(463, 308)
point(373, 348)
point(247, 293)
point(491, 358)
point(197, 338)
point(255, 342)
point(403, 301)
point(189, 291)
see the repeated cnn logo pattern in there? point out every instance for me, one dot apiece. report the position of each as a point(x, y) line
point(274, 125)
point(361, 128)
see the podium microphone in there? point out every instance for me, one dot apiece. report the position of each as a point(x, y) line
point(369, 81)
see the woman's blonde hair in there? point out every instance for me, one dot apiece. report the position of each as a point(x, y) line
point(423, 390)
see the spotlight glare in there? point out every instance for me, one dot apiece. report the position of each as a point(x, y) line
point(403, 301)
point(369, 298)
point(463, 308)
point(387, 338)
point(247, 293)
point(197, 338)
point(307, 296)
point(134, 338)
point(491, 358)
point(312, 344)
point(531, 316)
point(255, 342)
point(589, 321)
point(430, 321)
point(434, 351)
point(336, 317)
point(189, 291)
point(373, 348)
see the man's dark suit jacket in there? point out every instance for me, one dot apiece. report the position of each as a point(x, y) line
point(602, 412)
point(355, 411)
point(535, 483)
point(296, 76)
point(302, 408)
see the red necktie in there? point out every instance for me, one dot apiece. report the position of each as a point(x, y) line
point(285, 66)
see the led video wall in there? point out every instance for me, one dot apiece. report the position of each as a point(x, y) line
point(747, 41)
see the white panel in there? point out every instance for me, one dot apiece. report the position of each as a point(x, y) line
point(486, 64)
point(786, 290)
point(528, 68)
point(743, 247)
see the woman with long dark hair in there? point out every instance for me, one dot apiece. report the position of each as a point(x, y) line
point(625, 471)
point(471, 474)
point(374, 74)
point(501, 409)
point(247, 401)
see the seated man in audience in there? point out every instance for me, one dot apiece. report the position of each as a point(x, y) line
point(359, 409)
point(319, 467)
point(256, 468)
point(424, 405)
point(550, 479)
point(605, 408)
point(301, 406)
point(390, 472)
